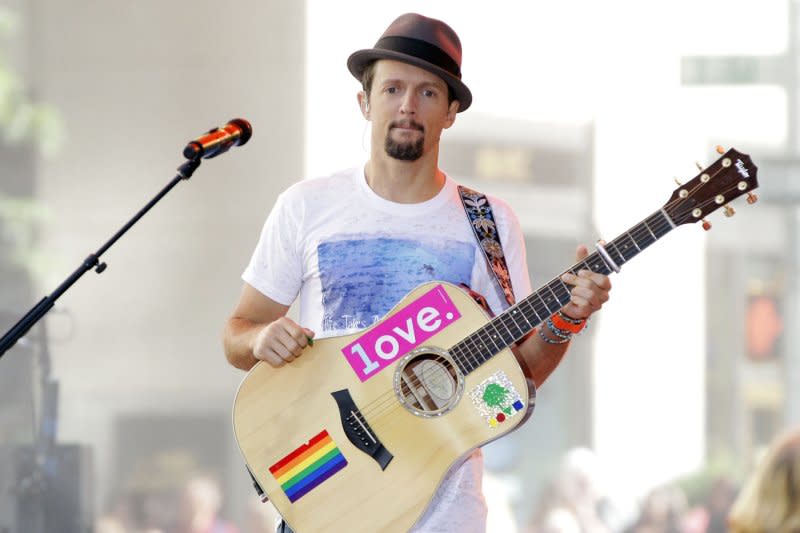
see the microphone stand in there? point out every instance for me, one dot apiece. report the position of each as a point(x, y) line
point(8, 340)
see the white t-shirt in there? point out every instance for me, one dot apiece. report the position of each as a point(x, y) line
point(351, 255)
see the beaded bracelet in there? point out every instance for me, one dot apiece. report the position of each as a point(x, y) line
point(548, 340)
point(557, 331)
point(561, 335)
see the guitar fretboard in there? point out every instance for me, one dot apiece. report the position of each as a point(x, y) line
point(527, 314)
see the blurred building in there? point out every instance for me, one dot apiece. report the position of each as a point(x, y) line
point(753, 368)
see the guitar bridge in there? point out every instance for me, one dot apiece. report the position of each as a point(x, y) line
point(358, 431)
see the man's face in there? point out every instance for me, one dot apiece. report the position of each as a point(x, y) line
point(408, 109)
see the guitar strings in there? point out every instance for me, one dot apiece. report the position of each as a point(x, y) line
point(386, 403)
point(462, 351)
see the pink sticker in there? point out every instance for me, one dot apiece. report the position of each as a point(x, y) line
point(402, 332)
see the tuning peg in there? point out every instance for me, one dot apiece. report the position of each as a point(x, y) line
point(678, 181)
point(720, 150)
point(729, 211)
point(706, 225)
point(699, 166)
point(752, 198)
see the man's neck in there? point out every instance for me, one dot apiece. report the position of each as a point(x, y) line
point(405, 182)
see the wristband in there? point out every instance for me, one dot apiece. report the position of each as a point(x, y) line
point(567, 323)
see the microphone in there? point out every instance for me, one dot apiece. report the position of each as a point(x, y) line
point(218, 140)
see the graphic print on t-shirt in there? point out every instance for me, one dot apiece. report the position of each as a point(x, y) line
point(363, 277)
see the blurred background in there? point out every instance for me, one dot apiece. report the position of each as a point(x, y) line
point(115, 410)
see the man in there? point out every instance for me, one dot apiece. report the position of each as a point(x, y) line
point(350, 245)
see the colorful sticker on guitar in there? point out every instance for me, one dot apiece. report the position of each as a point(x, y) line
point(496, 399)
point(407, 329)
point(308, 466)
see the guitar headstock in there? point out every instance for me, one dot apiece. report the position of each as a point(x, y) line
point(727, 178)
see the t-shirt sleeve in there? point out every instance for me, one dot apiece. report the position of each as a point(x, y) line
point(276, 268)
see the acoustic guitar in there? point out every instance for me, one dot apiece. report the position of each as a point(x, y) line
point(357, 433)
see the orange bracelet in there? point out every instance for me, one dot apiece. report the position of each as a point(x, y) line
point(567, 323)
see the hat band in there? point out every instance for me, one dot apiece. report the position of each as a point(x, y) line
point(421, 50)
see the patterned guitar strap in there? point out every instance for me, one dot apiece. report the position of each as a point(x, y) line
point(479, 214)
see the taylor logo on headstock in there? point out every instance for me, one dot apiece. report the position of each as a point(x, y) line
point(742, 170)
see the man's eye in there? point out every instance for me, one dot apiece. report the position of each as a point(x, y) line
point(391, 90)
point(428, 93)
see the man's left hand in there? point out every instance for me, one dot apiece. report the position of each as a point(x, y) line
point(589, 289)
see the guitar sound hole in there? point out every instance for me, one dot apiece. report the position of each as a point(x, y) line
point(428, 384)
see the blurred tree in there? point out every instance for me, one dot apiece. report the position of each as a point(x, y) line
point(24, 125)
point(20, 118)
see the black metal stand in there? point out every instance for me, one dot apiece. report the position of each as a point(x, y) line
point(185, 172)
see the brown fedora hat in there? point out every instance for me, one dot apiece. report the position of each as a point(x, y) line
point(424, 42)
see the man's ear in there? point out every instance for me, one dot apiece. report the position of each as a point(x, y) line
point(452, 110)
point(363, 102)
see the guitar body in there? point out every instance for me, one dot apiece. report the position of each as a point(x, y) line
point(280, 415)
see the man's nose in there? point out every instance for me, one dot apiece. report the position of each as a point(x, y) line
point(409, 103)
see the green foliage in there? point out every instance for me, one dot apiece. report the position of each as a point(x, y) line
point(18, 218)
point(22, 122)
point(21, 119)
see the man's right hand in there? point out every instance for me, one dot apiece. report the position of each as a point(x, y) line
point(281, 341)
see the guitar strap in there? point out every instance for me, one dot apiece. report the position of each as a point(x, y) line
point(479, 214)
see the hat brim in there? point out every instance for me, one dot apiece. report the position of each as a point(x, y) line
point(359, 60)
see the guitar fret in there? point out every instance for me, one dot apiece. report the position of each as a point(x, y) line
point(549, 311)
point(511, 335)
point(554, 294)
point(625, 246)
point(513, 312)
point(662, 223)
point(531, 326)
point(481, 347)
point(469, 352)
point(560, 296)
point(651, 231)
point(493, 337)
point(647, 237)
point(668, 218)
point(457, 351)
point(598, 264)
point(537, 308)
point(620, 257)
point(634, 242)
point(512, 326)
point(527, 302)
point(473, 351)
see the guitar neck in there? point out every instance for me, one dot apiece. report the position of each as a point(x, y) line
point(527, 314)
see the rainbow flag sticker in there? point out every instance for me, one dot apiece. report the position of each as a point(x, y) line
point(308, 466)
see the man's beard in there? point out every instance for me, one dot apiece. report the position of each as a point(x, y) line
point(404, 151)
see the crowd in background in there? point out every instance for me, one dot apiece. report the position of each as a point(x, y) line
point(767, 500)
point(573, 501)
point(192, 506)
